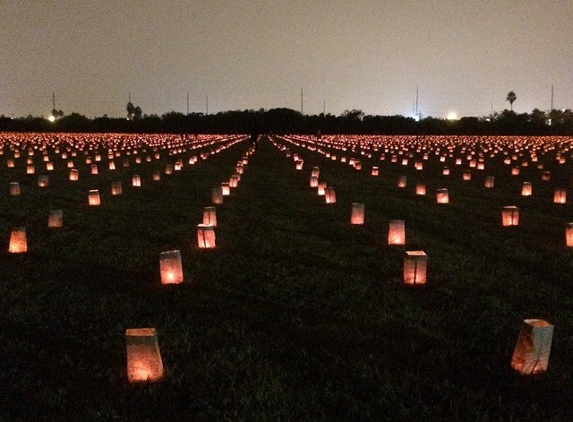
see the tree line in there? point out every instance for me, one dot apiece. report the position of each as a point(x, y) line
point(285, 120)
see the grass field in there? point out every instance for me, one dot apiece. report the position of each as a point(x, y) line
point(296, 314)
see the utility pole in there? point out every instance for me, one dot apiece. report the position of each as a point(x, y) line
point(417, 110)
point(129, 97)
point(206, 104)
point(53, 101)
point(301, 102)
point(187, 104)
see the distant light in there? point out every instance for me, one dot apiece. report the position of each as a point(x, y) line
point(452, 115)
point(52, 119)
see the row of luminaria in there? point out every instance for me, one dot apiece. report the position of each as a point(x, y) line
point(144, 362)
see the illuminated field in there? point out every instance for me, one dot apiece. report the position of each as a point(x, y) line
point(295, 313)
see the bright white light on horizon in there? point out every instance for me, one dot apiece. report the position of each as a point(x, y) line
point(452, 115)
point(51, 118)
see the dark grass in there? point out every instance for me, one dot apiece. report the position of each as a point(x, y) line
point(296, 315)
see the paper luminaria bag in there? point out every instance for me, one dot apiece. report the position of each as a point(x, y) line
point(18, 242)
point(531, 353)
point(415, 265)
point(442, 196)
point(171, 267)
point(510, 216)
point(56, 219)
point(330, 195)
point(210, 216)
point(144, 363)
point(357, 214)
point(206, 238)
point(93, 197)
point(397, 232)
point(569, 235)
point(217, 195)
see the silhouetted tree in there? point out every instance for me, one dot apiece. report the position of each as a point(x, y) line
point(556, 117)
point(538, 117)
point(174, 121)
point(75, 122)
point(511, 97)
point(350, 121)
point(353, 114)
point(137, 113)
point(282, 120)
point(130, 110)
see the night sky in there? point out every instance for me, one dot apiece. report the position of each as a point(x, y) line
point(464, 55)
